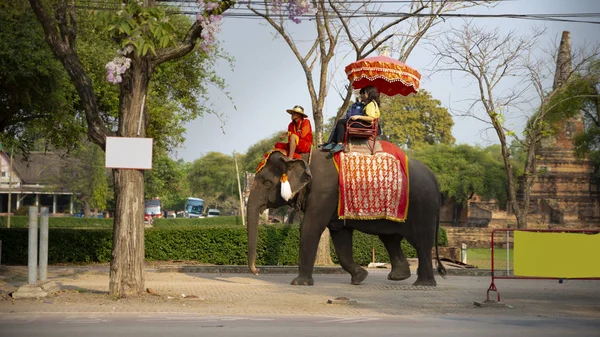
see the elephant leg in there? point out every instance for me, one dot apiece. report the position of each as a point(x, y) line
point(425, 275)
point(342, 240)
point(310, 234)
point(400, 267)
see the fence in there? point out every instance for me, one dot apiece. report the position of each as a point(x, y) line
point(535, 250)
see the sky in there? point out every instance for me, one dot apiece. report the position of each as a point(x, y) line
point(267, 79)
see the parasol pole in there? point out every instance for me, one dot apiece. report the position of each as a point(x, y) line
point(239, 189)
point(384, 50)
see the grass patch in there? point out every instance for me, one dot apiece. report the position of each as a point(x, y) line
point(481, 257)
point(215, 221)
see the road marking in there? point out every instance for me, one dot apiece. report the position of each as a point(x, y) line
point(18, 320)
point(177, 319)
point(350, 320)
point(199, 319)
point(82, 320)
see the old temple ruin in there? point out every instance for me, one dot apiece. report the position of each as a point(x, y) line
point(566, 194)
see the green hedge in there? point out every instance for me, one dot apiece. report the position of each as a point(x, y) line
point(58, 222)
point(220, 245)
point(215, 221)
point(73, 222)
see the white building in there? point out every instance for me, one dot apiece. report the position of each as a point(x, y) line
point(33, 182)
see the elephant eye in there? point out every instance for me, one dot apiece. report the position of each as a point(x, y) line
point(268, 183)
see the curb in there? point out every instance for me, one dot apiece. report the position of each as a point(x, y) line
point(294, 270)
point(245, 269)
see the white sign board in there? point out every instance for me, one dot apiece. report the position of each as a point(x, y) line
point(129, 153)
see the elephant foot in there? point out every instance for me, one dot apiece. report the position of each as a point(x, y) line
point(303, 281)
point(360, 276)
point(427, 283)
point(399, 275)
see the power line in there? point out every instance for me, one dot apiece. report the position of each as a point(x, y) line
point(186, 7)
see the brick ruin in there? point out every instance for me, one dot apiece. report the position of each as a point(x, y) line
point(566, 195)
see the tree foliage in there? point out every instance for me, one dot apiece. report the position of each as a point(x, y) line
point(37, 97)
point(416, 120)
point(256, 151)
point(213, 178)
point(176, 93)
point(587, 144)
point(86, 176)
point(578, 96)
point(494, 61)
point(464, 170)
point(167, 181)
point(59, 20)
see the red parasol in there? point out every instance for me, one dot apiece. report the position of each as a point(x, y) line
point(390, 76)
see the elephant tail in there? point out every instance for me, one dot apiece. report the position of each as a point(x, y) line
point(440, 267)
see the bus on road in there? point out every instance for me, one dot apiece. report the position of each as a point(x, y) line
point(194, 207)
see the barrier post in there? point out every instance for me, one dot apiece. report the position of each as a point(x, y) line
point(507, 255)
point(44, 244)
point(32, 252)
point(493, 287)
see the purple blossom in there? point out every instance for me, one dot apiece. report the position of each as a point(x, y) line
point(116, 68)
point(210, 23)
point(210, 28)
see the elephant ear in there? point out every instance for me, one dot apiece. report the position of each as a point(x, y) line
point(299, 175)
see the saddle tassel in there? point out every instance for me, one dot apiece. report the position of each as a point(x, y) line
point(286, 189)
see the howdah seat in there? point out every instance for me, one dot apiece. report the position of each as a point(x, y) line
point(362, 129)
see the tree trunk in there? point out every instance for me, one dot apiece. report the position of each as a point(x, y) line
point(127, 264)
point(254, 208)
point(318, 118)
point(86, 209)
point(324, 252)
point(291, 216)
point(456, 213)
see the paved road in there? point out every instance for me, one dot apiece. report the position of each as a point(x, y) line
point(142, 325)
point(244, 304)
point(271, 294)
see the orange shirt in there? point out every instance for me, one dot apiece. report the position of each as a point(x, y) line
point(304, 132)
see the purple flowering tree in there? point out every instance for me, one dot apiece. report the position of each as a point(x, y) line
point(147, 40)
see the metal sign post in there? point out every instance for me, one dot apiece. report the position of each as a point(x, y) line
point(44, 244)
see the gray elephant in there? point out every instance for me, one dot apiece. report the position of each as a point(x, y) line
point(315, 192)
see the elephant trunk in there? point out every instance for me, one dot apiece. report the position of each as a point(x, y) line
point(254, 209)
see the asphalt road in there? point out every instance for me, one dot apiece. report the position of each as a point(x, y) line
point(142, 325)
point(267, 305)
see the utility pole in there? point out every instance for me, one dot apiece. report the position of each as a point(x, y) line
point(10, 173)
point(237, 174)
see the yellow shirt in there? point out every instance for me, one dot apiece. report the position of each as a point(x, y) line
point(372, 110)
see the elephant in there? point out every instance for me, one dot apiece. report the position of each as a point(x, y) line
point(315, 191)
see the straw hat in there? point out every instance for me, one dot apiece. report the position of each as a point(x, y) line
point(297, 109)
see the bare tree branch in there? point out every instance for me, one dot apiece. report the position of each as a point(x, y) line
point(490, 59)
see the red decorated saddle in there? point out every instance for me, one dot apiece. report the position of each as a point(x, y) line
point(373, 186)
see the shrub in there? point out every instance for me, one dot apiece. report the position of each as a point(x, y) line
point(58, 222)
point(211, 244)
